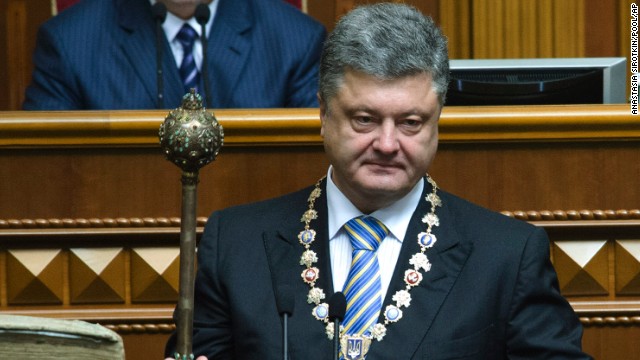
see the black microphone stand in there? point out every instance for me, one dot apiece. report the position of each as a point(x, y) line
point(159, 11)
point(202, 14)
point(337, 310)
point(285, 301)
point(285, 337)
point(336, 339)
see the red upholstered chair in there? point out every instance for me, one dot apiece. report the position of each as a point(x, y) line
point(63, 4)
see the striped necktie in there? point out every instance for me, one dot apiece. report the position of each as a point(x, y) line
point(363, 288)
point(188, 69)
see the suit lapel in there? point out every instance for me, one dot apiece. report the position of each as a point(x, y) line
point(283, 252)
point(229, 47)
point(447, 257)
point(138, 42)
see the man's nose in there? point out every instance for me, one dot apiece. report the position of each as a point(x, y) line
point(387, 140)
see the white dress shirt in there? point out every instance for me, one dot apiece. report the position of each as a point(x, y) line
point(395, 217)
point(172, 26)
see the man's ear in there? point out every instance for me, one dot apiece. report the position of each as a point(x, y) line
point(323, 113)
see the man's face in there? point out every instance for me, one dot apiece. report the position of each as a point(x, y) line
point(380, 136)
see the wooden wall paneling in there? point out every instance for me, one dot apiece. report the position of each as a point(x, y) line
point(568, 17)
point(144, 345)
point(3, 277)
point(154, 274)
point(561, 28)
point(583, 267)
point(432, 7)
point(513, 29)
point(580, 28)
point(602, 37)
point(546, 173)
point(145, 328)
point(16, 19)
point(323, 11)
point(496, 28)
point(343, 7)
point(612, 341)
point(18, 28)
point(4, 66)
point(529, 34)
point(627, 267)
point(328, 12)
point(480, 29)
point(455, 21)
point(545, 29)
point(114, 183)
point(109, 167)
point(38, 277)
point(97, 275)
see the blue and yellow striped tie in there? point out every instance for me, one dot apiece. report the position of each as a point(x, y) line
point(363, 288)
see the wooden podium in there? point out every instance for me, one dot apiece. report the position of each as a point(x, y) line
point(89, 207)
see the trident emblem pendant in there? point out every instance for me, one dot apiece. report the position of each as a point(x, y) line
point(355, 346)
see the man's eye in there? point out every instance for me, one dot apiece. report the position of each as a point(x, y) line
point(412, 122)
point(364, 119)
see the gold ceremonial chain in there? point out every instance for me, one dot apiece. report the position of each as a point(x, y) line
point(412, 276)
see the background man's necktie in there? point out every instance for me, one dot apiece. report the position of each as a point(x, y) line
point(363, 288)
point(188, 69)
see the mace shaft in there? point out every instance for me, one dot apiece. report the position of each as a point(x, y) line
point(187, 264)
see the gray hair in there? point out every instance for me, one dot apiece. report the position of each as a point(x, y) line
point(387, 41)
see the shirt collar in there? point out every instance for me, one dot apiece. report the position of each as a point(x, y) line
point(395, 217)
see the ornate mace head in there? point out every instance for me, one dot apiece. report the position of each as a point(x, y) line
point(190, 136)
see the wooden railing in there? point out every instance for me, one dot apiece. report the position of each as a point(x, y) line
point(280, 127)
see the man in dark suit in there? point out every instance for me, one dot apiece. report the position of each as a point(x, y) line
point(101, 54)
point(441, 278)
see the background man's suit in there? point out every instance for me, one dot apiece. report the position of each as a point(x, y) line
point(101, 54)
point(491, 292)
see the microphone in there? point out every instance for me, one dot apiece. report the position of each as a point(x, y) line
point(202, 14)
point(159, 13)
point(285, 300)
point(337, 309)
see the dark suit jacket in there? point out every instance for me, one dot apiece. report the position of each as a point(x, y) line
point(492, 292)
point(101, 54)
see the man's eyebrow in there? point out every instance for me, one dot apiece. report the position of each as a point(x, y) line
point(350, 111)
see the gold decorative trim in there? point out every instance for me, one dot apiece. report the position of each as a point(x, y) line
point(165, 328)
point(559, 215)
point(610, 321)
point(168, 222)
point(94, 223)
point(124, 329)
